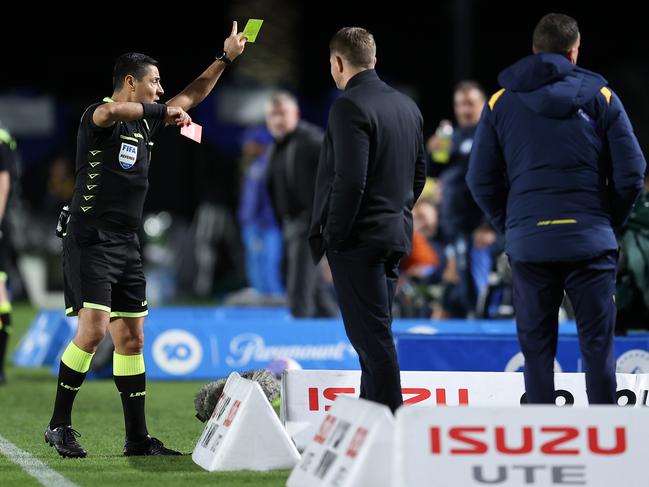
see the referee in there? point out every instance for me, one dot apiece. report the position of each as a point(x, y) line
point(102, 266)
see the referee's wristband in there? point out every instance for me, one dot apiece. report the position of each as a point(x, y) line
point(154, 110)
point(223, 57)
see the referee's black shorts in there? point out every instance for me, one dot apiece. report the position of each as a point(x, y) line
point(102, 269)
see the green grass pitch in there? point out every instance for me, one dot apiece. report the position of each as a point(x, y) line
point(26, 404)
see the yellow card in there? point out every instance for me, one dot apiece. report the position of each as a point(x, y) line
point(252, 29)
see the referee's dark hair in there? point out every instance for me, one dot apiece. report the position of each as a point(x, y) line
point(555, 33)
point(133, 63)
point(356, 45)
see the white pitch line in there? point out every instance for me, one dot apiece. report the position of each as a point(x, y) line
point(33, 466)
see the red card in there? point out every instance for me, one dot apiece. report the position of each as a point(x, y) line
point(192, 131)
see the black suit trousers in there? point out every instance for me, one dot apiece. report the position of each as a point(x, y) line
point(365, 279)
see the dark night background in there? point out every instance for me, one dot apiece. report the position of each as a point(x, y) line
point(423, 48)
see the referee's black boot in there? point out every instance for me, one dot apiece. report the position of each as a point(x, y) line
point(148, 446)
point(64, 439)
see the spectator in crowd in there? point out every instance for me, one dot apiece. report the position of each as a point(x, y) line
point(292, 168)
point(461, 221)
point(261, 235)
point(60, 184)
point(632, 291)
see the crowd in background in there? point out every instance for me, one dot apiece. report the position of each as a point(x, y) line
point(253, 250)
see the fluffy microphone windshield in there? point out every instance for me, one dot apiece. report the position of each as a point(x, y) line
point(209, 394)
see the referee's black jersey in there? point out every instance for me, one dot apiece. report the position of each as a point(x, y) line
point(112, 170)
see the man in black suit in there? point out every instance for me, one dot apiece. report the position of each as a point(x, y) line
point(291, 173)
point(371, 172)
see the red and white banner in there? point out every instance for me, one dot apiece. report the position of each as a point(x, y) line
point(544, 446)
point(353, 446)
point(308, 394)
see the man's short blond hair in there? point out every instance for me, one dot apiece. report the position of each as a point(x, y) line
point(354, 44)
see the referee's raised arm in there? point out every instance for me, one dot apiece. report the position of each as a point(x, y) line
point(197, 90)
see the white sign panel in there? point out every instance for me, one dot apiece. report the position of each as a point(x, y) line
point(308, 394)
point(244, 433)
point(353, 446)
point(544, 446)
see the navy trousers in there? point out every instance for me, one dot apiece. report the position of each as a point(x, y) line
point(538, 292)
point(365, 279)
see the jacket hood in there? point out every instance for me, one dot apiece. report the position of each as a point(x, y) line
point(549, 84)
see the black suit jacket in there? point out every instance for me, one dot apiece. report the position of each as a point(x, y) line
point(371, 171)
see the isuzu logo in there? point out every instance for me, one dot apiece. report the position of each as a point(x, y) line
point(411, 395)
point(546, 440)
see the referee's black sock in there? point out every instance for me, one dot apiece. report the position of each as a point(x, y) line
point(128, 372)
point(72, 370)
point(5, 322)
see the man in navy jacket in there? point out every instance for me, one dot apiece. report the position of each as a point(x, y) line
point(555, 166)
